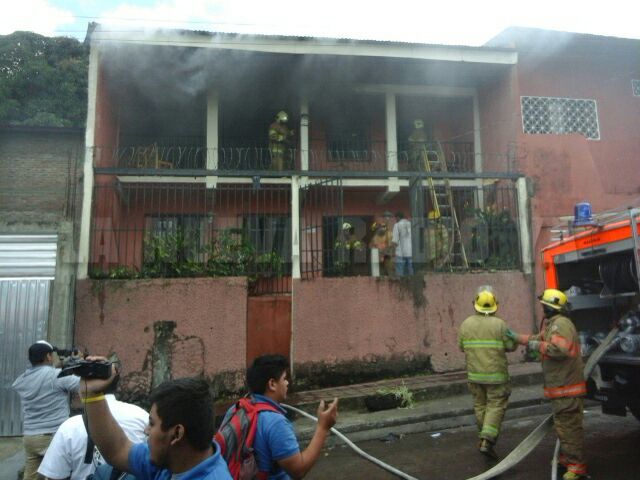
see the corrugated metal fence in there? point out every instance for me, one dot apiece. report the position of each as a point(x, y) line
point(27, 268)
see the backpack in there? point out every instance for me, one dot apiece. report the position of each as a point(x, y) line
point(235, 438)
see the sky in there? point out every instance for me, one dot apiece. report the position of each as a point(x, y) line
point(456, 22)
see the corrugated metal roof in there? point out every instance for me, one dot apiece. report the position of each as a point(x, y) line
point(28, 255)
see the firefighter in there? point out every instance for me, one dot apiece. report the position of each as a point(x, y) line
point(280, 137)
point(347, 244)
point(418, 145)
point(381, 240)
point(437, 241)
point(483, 339)
point(564, 384)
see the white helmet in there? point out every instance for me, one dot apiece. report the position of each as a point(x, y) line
point(282, 116)
point(346, 226)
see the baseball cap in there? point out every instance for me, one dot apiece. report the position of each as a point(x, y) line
point(39, 350)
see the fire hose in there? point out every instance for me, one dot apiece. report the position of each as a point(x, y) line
point(516, 455)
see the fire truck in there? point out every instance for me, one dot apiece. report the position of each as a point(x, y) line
point(594, 260)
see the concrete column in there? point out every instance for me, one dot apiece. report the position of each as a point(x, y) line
point(477, 149)
point(295, 227)
point(523, 222)
point(88, 180)
point(62, 301)
point(304, 134)
point(213, 111)
point(391, 132)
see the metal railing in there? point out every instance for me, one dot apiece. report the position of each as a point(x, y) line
point(151, 231)
point(370, 157)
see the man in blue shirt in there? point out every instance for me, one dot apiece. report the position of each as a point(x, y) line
point(181, 428)
point(276, 447)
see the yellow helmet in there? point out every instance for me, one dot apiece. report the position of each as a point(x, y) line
point(282, 116)
point(485, 301)
point(554, 298)
point(434, 215)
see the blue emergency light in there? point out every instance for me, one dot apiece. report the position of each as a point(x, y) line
point(582, 215)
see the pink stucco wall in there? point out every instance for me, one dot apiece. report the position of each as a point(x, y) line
point(209, 337)
point(369, 320)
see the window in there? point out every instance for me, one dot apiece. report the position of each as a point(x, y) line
point(635, 86)
point(560, 116)
point(180, 237)
point(269, 234)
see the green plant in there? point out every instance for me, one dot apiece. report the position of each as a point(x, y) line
point(402, 393)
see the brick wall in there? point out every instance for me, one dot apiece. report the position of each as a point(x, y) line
point(38, 173)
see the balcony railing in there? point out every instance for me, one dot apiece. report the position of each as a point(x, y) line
point(370, 157)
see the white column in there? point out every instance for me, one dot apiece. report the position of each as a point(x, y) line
point(304, 134)
point(213, 107)
point(391, 132)
point(295, 227)
point(523, 222)
point(88, 180)
point(477, 149)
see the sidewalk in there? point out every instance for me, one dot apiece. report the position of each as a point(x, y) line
point(441, 402)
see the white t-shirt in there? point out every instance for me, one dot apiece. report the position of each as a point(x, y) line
point(402, 238)
point(65, 456)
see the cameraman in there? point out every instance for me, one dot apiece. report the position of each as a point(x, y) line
point(181, 428)
point(45, 404)
point(65, 457)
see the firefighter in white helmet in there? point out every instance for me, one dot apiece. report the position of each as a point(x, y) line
point(280, 139)
point(484, 340)
point(559, 348)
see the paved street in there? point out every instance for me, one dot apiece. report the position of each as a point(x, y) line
point(611, 445)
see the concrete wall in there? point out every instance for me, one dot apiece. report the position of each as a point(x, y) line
point(347, 330)
point(166, 328)
point(40, 193)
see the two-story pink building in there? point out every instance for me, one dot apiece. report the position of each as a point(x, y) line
point(205, 241)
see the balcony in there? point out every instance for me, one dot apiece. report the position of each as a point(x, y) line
point(340, 157)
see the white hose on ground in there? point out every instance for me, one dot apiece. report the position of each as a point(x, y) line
point(357, 449)
point(516, 455)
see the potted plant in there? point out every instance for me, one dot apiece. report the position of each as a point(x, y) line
point(388, 398)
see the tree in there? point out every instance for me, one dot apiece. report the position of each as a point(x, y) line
point(43, 80)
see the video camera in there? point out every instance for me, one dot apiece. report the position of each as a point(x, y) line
point(87, 369)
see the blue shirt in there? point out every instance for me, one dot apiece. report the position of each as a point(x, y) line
point(275, 439)
point(213, 468)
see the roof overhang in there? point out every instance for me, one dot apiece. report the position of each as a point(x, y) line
point(305, 45)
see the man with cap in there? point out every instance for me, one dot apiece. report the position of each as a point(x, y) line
point(45, 403)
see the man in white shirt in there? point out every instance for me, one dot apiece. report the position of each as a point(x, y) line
point(65, 457)
point(401, 239)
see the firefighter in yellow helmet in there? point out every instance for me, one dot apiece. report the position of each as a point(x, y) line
point(280, 139)
point(483, 339)
point(564, 384)
point(437, 239)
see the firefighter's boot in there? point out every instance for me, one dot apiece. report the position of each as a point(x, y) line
point(572, 476)
point(486, 448)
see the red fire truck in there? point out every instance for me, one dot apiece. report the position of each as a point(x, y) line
point(595, 262)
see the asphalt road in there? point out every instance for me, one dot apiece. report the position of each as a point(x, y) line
point(611, 449)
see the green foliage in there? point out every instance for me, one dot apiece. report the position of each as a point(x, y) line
point(502, 237)
point(174, 256)
point(401, 393)
point(43, 80)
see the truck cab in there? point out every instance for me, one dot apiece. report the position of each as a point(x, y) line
point(596, 265)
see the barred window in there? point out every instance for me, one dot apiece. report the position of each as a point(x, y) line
point(635, 86)
point(560, 116)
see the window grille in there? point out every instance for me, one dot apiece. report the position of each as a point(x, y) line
point(560, 116)
point(635, 86)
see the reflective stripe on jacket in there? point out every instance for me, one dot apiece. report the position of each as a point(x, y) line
point(562, 364)
point(483, 339)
